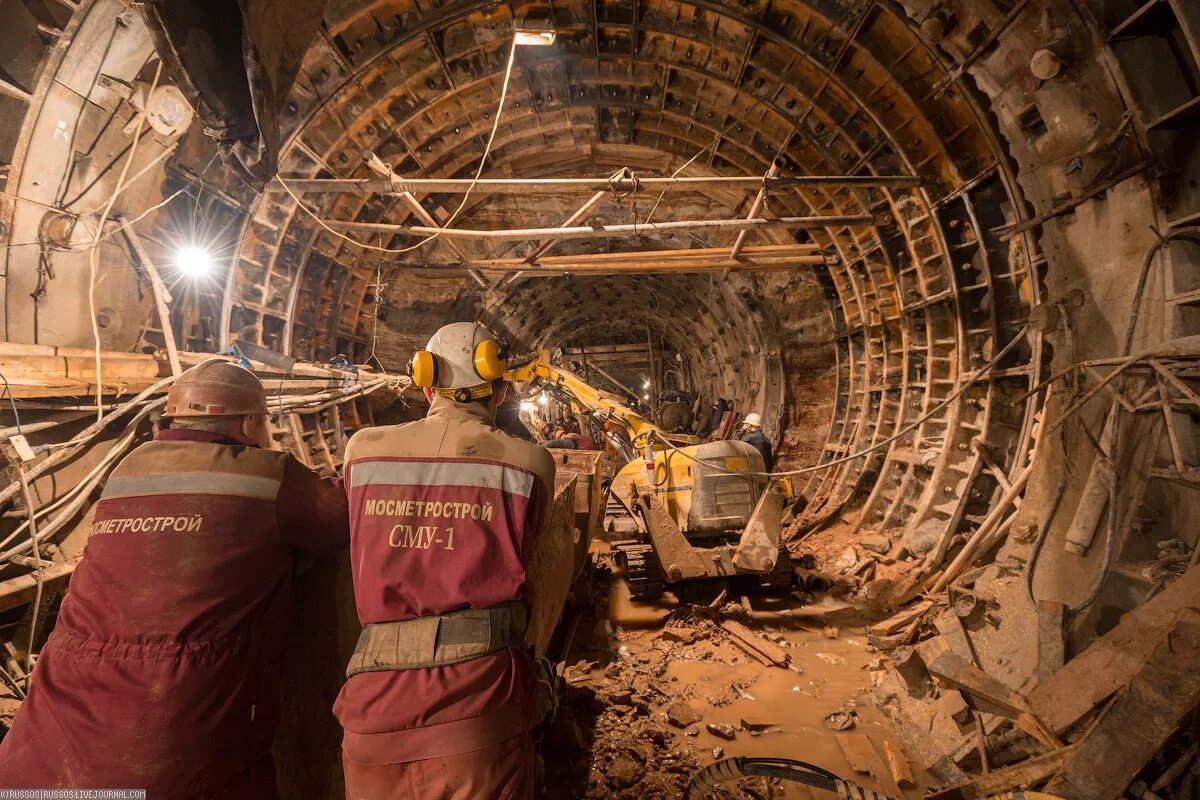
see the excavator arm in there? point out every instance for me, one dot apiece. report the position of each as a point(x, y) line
point(568, 386)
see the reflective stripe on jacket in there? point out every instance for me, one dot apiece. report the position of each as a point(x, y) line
point(443, 516)
point(162, 671)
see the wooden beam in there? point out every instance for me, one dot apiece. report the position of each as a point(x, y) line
point(590, 185)
point(605, 231)
point(1112, 660)
point(988, 694)
point(864, 759)
point(756, 207)
point(40, 371)
point(12, 90)
point(1157, 700)
point(1026, 773)
point(21, 590)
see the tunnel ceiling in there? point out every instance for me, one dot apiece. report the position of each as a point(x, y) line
point(716, 89)
point(1018, 115)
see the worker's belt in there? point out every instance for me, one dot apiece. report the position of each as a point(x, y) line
point(438, 640)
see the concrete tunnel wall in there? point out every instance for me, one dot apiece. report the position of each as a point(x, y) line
point(1046, 192)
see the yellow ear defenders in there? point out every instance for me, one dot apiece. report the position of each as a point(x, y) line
point(423, 369)
point(489, 365)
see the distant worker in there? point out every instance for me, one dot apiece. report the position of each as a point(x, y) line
point(163, 670)
point(579, 441)
point(442, 694)
point(564, 438)
point(751, 432)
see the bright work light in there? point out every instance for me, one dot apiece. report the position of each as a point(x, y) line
point(193, 261)
point(534, 38)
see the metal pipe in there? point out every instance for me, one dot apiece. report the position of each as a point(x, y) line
point(416, 208)
point(606, 231)
point(559, 185)
point(756, 207)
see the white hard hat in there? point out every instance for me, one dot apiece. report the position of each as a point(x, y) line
point(753, 418)
point(460, 361)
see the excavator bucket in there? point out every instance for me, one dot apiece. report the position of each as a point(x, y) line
point(758, 548)
point(679, 559)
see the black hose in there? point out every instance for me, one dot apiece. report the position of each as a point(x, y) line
point(788, 769)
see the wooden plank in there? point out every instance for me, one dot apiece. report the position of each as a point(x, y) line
point(20, 590)
point(1159, 697)
point(773, 653)
point(951, 629)
point(901, 619)
point(1016, 776)
point(1051, 638)
point(1111, 661)
point(989, 694)
point(863, 759)
point(897, 762)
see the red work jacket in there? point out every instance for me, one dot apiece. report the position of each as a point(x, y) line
point(162, 671)
point(443, 516)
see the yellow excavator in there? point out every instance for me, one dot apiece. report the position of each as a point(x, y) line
point(704, 510)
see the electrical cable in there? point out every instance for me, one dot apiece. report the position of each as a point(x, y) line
point(39, 570)
point(31, 511)
point(77, 496)
point(94, 258)
point(512, 57)
point(788, 769)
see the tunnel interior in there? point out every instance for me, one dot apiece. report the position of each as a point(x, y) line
point(926, 342)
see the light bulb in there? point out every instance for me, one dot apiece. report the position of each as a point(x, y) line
point(193, 261)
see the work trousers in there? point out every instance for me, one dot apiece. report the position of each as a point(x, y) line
point(503, 771)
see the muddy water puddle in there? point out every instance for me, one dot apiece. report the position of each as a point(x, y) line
point(771, 711)
point(793, 705)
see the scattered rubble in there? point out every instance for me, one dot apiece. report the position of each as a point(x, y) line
point(681, 715)
point(643, 711)
point(839, 721)
point(721, 730)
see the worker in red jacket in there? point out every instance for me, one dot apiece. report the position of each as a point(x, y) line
point(445, 514)
point(163, 670)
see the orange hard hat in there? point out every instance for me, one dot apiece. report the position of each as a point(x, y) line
point(216, 389)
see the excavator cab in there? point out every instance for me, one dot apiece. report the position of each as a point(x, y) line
point(709, 489)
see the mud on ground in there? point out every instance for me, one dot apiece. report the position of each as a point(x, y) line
point(654, 693)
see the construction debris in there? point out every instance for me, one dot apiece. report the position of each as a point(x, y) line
point(864, 759)
point(756, 646)
point(1162, 694)
point(681, 715)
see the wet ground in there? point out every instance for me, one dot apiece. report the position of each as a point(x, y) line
point(656, 692)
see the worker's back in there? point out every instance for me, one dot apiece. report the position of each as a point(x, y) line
point(162, 671)
point(443, 516)
point(209, 558)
